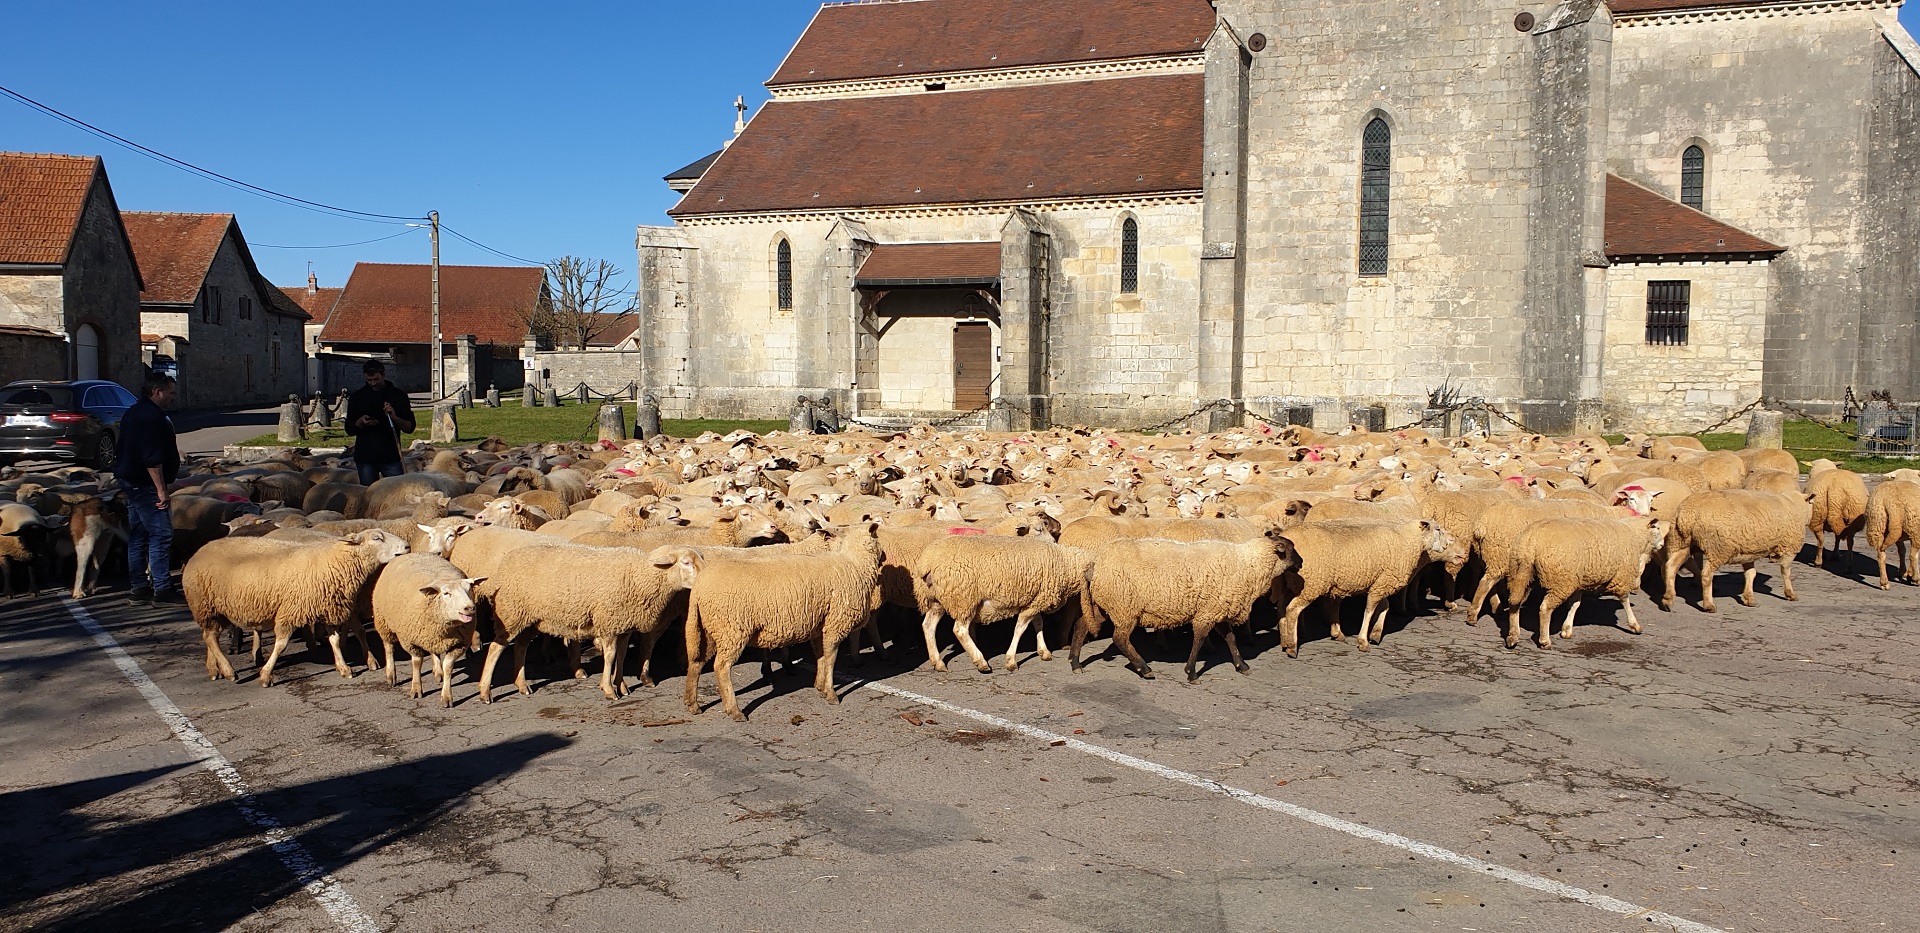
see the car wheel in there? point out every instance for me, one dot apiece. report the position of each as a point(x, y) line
point(104, 457)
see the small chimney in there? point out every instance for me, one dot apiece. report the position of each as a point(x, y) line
point(313, 285)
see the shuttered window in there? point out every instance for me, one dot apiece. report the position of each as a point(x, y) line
point(1376, 170)
point(1693, 178)
point(1667, 313)
point(1129, 256)
point(783, 274)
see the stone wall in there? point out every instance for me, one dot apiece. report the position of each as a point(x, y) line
point(604, 371)
point(1783, 121)
point(32, 301)
point(31, 356)
point(232, 361)
point(1455, 82)
point(100, 287)
point(1685, 388)
point(1890, 332)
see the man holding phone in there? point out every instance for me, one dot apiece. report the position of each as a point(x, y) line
point(377, 414)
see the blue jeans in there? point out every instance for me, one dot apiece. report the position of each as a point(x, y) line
point(149, 540)
point(373, 471)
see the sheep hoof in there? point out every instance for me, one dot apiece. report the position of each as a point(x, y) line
point(1293, 652)
point(736, 715)
point(1193, 677)
point(1708, 607)
point(1791, 596)
point(446, 702)
point(1749, 602)
point(1512, 643)
point(1046, 655)
point(940, 666)
point(1012, 666)
point(1885, 587)
point(985, 668)
point(1146, 673)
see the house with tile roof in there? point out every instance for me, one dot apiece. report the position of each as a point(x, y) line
point(1635, 215)
point(209, 317)
point(385, 311)
point(69, 283)
point(318, 303)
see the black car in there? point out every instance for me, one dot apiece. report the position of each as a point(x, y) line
point(73, 421)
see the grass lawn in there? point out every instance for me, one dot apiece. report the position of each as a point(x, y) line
point(571, 421)
point(1808, 441)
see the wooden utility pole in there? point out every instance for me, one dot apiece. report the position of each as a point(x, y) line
point(439, 370)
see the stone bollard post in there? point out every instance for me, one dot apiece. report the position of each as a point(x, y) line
point(1766, 430)
point(826, 418)
point(446, 428)
point(586, 394)
point(465, 396)
point(529, 396)
point(553, 398)
point(493, 396)
point(1000, 420)
point(290, 420)
point(613, 422)
point(323, 410)
point(646, 419)
point(801, 420)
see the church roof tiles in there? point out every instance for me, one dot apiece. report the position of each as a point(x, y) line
point(848, 41)
point(931, 264)
point(1644, 225)
point(1083, 139)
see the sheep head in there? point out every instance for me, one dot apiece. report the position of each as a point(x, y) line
point(453, 601)
point(442, 534)
point(385, 547)
point(682, 564)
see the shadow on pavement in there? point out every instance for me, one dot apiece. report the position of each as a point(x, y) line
point(77, 868)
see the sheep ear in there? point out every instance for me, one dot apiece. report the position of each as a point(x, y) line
point(476, 581)
point(430, 591)
point(426, 528)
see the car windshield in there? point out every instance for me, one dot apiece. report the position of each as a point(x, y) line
point(57, 396)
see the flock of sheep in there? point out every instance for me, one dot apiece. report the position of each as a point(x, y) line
point(778, 541)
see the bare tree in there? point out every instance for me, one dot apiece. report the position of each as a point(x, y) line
point(585, 298)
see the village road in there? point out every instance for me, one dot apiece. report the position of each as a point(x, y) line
point(1753, 770)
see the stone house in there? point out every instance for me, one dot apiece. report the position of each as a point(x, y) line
point(1636, 215)
point(318, 303)
point(385, 311)
point(209, 317)
point(69, 283)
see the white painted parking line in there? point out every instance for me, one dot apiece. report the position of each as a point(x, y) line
point(323, 886)
point(1394, 840)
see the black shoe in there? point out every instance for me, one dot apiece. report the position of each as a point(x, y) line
point(169, 598)
point(140, 596)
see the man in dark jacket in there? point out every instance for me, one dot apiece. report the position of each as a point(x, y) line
point(148, 461)
point(377, 414)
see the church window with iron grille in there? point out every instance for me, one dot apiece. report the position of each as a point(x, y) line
point(1668, 313)
point(783, 274)
point(1693, 178)
point(1129, 256)
point(1376, 169)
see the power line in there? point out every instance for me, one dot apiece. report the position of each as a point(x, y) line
point(333, 246)
point(491, 249)
point(206, 173)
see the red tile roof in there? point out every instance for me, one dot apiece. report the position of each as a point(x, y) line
point(41, 197)
point(390, 304)
point(871, 40)
point(930, 264)
point(618, 328)
point(1641, 223)
point(317, 303)
point(174, 252)
point(1082, 139)
point(1656, 6)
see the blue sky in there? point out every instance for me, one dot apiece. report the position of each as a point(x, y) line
point(536, 129)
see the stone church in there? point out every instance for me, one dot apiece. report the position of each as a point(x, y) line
point(1641, 214)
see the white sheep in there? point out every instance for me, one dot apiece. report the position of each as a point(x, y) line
point(1156, 583)
point(424, 604)
point(763, 598)
point(1348, 558)
point(257, 584)
point(1893, 520)
point(1739, 526)
point(986, 578)
point(1569, 556)
point(1839, 509)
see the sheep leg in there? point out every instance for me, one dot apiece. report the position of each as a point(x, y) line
point(1290, 625)
point(1633, 623)
point(83, 562)
point(1881, 553)
point(392, 649)
point(217, 664)
point(1566, 622)
point(281, 635)
point(360, 634)
point(927, 625)
point(1378, 632)
point(1549, 602)
point(724, 657)
point(1123, 636)
point(1334, 629)
point(446, 680)
point(413, 661)
point(1480, 594)
point(1786, 578)
point(696, 657)
point(825, 652)
point(1749, 570)
point(963, 629)
point(613, 681)
point(1907, 561)
point(339, 660)
point(1020, 628)
point(520, 646)
point(1360, 638)
point(254, 653)
point(494, 651)
point(1233, 651)
point(647, 641)
point(1820, 547)
point(1705, 574)
point(1193, 653)
point(1675, 556)
point(574, 650)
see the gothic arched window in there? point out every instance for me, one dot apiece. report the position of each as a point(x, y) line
point(783, 275)
point(1693, 178)
point(1376, 168)
point(1129, 256)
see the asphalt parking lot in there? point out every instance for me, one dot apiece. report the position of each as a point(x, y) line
point(1753, 770)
